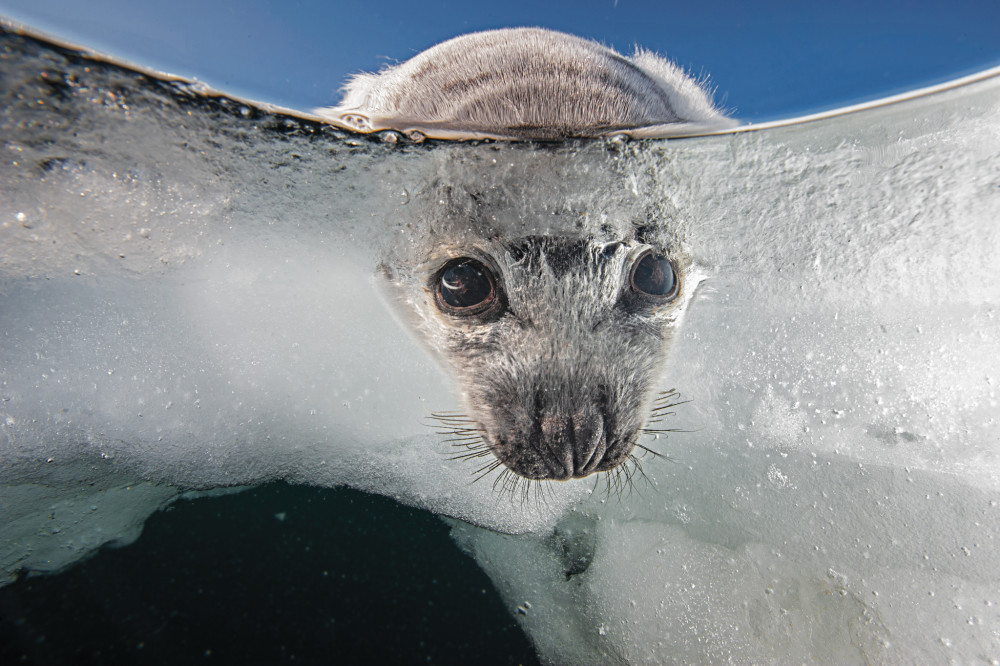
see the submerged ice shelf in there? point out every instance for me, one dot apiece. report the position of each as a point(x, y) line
point(188, 302)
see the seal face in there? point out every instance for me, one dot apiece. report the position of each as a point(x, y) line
point(555, 342)
point(527, 83)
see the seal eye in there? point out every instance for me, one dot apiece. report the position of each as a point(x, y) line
point(654, 275)
point(466, 287)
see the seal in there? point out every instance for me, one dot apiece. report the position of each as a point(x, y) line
point(556, 331)
point(527, 83)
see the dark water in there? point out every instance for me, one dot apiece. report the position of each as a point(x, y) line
point(278, 574)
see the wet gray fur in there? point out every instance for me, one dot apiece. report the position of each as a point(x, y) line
point(527, 83)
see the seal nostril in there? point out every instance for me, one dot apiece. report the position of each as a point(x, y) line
point(588, 440)
point(557, 437)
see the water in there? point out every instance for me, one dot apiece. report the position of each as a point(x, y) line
point(189, 304)
point(277, 574)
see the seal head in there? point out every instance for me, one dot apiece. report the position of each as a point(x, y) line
point(527, 83)
point(550, 288)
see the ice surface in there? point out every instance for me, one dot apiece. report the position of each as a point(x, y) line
point(188, 301)
point(838, 498)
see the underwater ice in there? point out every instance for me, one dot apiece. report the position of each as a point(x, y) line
point(188, 302)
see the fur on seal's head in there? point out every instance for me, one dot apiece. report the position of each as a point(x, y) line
point(527, 83)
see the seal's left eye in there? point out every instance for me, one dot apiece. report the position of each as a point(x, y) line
point(654, 275)
point(466, 287)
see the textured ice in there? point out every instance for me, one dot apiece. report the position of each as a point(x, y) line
point(188, 302)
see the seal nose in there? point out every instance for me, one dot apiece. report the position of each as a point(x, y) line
point(575, 441)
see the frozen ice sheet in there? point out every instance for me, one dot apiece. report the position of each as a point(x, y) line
point(837, 498)
point(188, 302)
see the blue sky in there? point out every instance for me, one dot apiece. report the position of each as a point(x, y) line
point(766, 60)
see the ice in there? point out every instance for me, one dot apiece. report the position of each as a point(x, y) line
point(837, 499)
point(190, 301)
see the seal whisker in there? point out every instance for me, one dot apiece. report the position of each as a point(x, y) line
point(453, 423)
point(501, 479)
point(489, 467)
point(669, 405)
point(669, 400)
point(459, 441)
point(525, 492)
point(611, 479)
point(655, 454)
point(468, 443)
point(519, 490)
point(465, 440)
point(457, 425)
point(453, 420)
point(637, 469)
point(508, 483)
point(485, 470)
point(469, 456)
point(539, 489)
point(508, 486)
point(626, 471)
point(663, 403)
point(619, 482)
point(477, 443)
point(662, 409)
point(628, 468)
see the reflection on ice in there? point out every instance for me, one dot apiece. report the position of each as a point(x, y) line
point(189, 301)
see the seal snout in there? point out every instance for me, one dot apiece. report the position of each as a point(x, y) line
point(573, 445)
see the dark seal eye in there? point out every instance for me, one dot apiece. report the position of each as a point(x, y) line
point(654, 275)
point(466, 287)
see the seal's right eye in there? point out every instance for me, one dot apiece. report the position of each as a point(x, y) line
point(654, 276)
point(466, 287)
